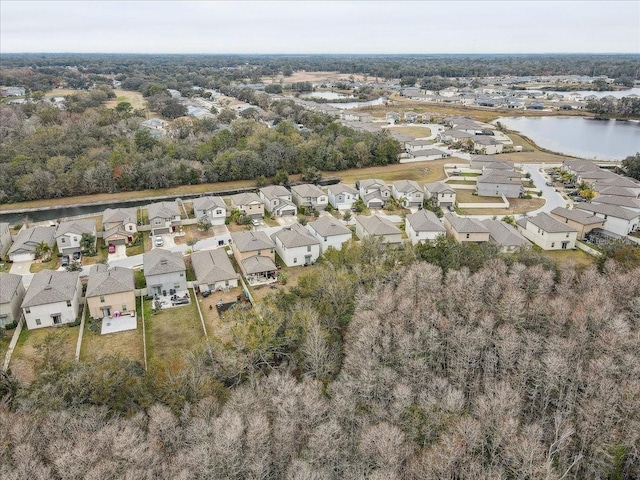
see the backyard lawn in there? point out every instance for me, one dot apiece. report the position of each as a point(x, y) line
point(413, 130)
point(466, 196)
point(573, 258)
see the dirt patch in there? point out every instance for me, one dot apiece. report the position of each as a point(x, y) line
point(215, 323)
point(413, 130)
point(192, 234)
point(467, 196)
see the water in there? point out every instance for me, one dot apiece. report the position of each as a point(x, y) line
point(326, 95)
point(579, 136)
point(586, 93)
point(350, 105)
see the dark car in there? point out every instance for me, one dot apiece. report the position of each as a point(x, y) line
point(76, 256)
point(65, 260)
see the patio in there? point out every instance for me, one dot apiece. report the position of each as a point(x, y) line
point(176, 299)
point(119, 323)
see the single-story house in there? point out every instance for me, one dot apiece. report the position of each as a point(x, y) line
point(110, 290)
point(330, 232)
point(444, 195)
point(249, 204)
point(164, 271)
point(164, 217)
point(547, 232)
point(308, 195)
point(423, 225)
point(505, 235)
point(213, 270)
point(11, 297)
point(26, 243)
point(465, 229)
point(210, 208)
point(68, 235)
point(580, 220)
point(52, 299)
point(408, 193)
point(119, 225)
point(376, 226)
point(296, 246)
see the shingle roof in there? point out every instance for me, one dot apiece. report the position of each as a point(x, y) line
point(49, 286)
point(372, 182)
point(610, 210)
point(425, 221)
point(614, 190)
point(617, 200)
point(119, 215)
point(465, 225)
point(8, 284)
point(376, 225)
point(77, 226)
point(29, 238)
point(275, 191)
point(500, 176)
point(339, 188)
point(504, 234)
point(546, 222)
point(307, 190)
point(439, 187)
point(578, 216)
point(618, 181)
point(105, 281)
point(211, 266)
point(208, 203)
point(405, 186)
point(245, 199)
point(258, 264)
point(251, 241)
point(159, 261)
point(163, 210)
point(295, 236)
point(328, 227)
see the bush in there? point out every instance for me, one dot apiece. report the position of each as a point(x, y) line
point(74, 324)
point(11, 326)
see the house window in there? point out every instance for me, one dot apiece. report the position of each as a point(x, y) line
point(567, 235)
point(295, 260)
point(325, 239)
point(468, 235)
point(176, 286)
point(553, 244)
point(68, 303)
point(63, 240)
point(38, 322)
point(218, 212)
point(27, 310)
point(308, 248)
point(101, 299)
point(182, 274)
point(130, 227)
point(124, 308)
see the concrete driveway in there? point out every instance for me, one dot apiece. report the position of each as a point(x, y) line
point(287, 220)
point(120, 253)
point(21, 268)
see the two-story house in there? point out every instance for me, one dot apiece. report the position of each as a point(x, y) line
point(330, 232)
point(580, 220)
point(5, 239)
point(11, 297)
point(341, 196)
point(376, 226)
point(68, 235)
point(119, 225)
point(423, 225)
point(465, 229)
point(375, 193)
point(495, 183)
point(547, 232)
point(164, 271)
point(619, 220)
point(52, 299)
point(278, 201)
point(249, 204)
point(210, 208)
point(213, 270)
point(505, 236)
point(27, 241)
point(444, 195)
point(309, 196)
point(110, 290)
point(255, 253)
point(296, 246)
point(408, 193)
point(164, 217)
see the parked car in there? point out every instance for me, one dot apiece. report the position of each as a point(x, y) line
point(158, 241)
point(451, 208)
point(65, 260)
point(255, 222)
point(578, 199)
point(549, 184)
point(76, 256)
point(112, 248)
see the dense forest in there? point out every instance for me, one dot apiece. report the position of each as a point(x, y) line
point(444, 361)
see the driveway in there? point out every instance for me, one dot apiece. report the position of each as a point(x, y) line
point(553, 198)
point(120, 253)
point(287, 220)
point(21, 268)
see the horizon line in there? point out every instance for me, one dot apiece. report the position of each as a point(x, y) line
point(318, 53)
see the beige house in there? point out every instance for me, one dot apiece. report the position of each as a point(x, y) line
point(110, 291)
point(119, 225)
point(255, 253)
point(581, 221)
point(213, 270)
point(248, 203)
point(376, 226)
point(465, 229)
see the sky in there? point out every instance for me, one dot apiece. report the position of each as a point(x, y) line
point(312, 27)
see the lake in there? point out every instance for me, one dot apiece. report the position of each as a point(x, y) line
point(579, 136)
point(350, 105)
point(325, 95)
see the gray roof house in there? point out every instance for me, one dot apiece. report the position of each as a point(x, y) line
point(495, 183)
point(278, 201)
point(547, 232)
point(374, 192)
point(465, 229)
point(506, 236)
point(308, 195)
point(5, 239)
point(408, 193)
point(163, 217)
point(119, 225)
point(626, 202)
point(330, 232)
point(248, 203)
point(444, 194)
point(211, 208)
point(52, 299)
point(164, 271)
point(26, 242)
point(68, 235)
point(296, 246)
point(582, 221)
point(377, 227)
point(342, 196)
point(110, 290)
point(213, 270)
point(423, 225)
point(11, 297)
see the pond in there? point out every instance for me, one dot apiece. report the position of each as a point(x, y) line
point(326, 95)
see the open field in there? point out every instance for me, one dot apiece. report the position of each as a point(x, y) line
point(57, 344)
point(128, 344)
point(61, 92)
point(136, 99)
point(413, 130)
point(467, 196)
point(421, 172)
point(518, 205)
point(534, 156)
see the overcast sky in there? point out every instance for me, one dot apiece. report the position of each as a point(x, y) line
point(320, 26)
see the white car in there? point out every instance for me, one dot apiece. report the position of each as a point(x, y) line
point(158, 241)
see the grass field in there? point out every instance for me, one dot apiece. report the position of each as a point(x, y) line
point(136, 99)
point(518, 205)
point(60, 345)
point(421, 172)
point(570, 258)
point(414, 130)
point(128, 344)
point(467, 196)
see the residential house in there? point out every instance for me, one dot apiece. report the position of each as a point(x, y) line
point(52, 299)
point(5, 239)
point(278, 201)
point(352, 116)
point(110, 291)
point(210, 208)
point(488, 162)
point(213, 270)
point(408, 193)
point(392, 117)
point(465, 229)
point(547, 232)
point(341, 196)
point(604, 189)
point(619, 220)
point(375, 193)
point(579, 220)
point(629, 203)
point(296, 246)
point(487, 145)
point(505, 236)
point(26, 243)
point(119, 225)
point(423, 225)
point(618, 181)
point(309, 196)
point(429, 154)
point(330, 232)
point(11, 297)
point(249, 204)
point(155, 124)
point(445, 196)
point(255, 253)
point(495, 183)
point(376, 226)
point(164, 271)
point(68, 235)
point(164, 217)
point(411, 117)
point(453, 136)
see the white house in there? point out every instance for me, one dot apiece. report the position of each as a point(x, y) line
point(308, 195)
point(164, 271)
point(11, 297)
point(210, 208)
point(278, 201)
point(52, 299)
point(495, 183)
point(376, 226)
point(296, 246)
point(329, 232)
point(26, 243)
point(408, 193)
point(341, 196)
point(423, 225)
point(618, 220)
point(69, 234)
point(5, 239)
point(213, 270)
point(444, 195)
point(547, 232)
point(629, 203)
point(375, 193)
point(164, 217)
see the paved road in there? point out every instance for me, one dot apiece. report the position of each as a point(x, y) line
point(553, 198)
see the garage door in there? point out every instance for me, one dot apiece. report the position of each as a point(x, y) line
point(120, 241)
point(288, 212)
point(161, 231)
point(22, 257)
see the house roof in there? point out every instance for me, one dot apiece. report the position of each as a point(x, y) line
point(105, 281)
point(609, 210)
point(465, 224)
point(119, 215)
point(439, 187)
point(500, 176)
point(376, 225)
point(8, 284)
point(240, 199)
point(275, 191)
point(328, 227)
point(617, 191)
point(618, 181)
point(29, 238)
point(258, 264)
point(339, 188)
point(307, 190)
point(163, 210)
point(577, 216)
point(211, 266)
point(546, 222)
point(427, 152)
point(406, 186)
point(295, 236)
point(251, 241)
point(372, 182)
point(418, 143)
point(77, 226)
point(504, 234)
point(617, 200)
point(159, 261)
point(208, 203)
point(425, 221)
point(50, 286)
